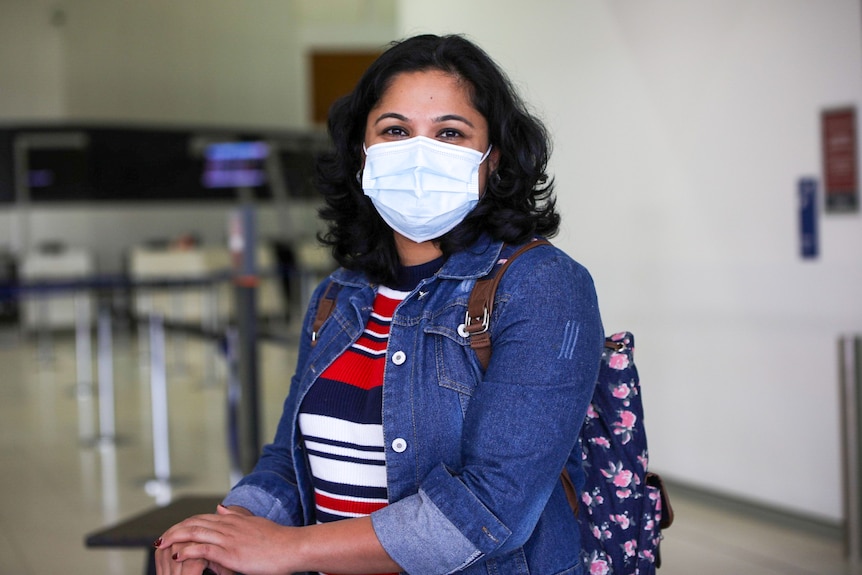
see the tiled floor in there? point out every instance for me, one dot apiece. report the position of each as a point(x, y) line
point(58, 483)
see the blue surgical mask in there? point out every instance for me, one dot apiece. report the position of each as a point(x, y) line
point(422, 187)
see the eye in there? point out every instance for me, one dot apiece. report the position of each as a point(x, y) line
point(449, 134)
point(396, 131)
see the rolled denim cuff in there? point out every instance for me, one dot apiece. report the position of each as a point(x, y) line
point(259, 502)
point(441, 529)
point(403, 529)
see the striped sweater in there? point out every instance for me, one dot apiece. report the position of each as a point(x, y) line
point(342, 422)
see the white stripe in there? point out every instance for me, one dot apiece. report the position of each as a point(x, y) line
point(370, 351)
point(366, 434)
point(339, 471)
point(345, 451)
point(392, 293)
point(382, 318)
point(377, 334)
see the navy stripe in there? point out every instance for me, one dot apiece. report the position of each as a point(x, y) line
point(324, 517)
point(337, 457)
point(374, 337)
point(347, 402)
point(348, 490)
point(379, 322)
point(333, 442)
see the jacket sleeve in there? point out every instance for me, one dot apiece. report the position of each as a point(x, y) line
point(270, 490)
point(519, 429)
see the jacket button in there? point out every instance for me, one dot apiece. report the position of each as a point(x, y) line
point(399, 357)
point(399, 445)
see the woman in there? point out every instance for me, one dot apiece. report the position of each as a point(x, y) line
point(396, 450)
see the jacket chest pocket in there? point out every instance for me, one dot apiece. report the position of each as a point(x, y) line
point(455, 364)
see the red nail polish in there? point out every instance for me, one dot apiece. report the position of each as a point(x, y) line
point(157, 542)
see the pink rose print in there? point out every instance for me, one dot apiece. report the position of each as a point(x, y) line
point(623, 427)
point(601, 533)
point(622, 520)
point(618, 361)
point(618, 475)
point(624, 493)
point(621, 391)
point(599, 567)
point(630, 548)
point(649, 525)
point(601, 442)
point(649, 555)
point(627, 419)
point(591, 412)
point(623, 478)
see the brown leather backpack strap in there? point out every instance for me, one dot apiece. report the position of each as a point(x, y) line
point(324, 309)
point(569, 488)
point(481, 304)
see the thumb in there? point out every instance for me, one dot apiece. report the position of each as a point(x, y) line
point(222, 510)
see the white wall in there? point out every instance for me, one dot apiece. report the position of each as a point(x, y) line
point(680, 131)
point(240, 62)
point(31, 61)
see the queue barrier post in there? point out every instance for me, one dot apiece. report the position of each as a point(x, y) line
point(84, 368)
point(850, 376)
point(160, 485)
point(107, 425)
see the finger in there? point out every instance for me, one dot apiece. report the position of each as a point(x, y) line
point(190, 529)
point(208, 553)
point(166, 565)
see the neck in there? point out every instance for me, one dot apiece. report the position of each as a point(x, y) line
point(413, 254)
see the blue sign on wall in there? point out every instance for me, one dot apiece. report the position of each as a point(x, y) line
point(808, 237)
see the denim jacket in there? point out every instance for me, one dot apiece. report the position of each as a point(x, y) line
point(473, 458)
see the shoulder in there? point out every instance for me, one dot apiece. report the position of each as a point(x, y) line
point(542, 258)
point(546, 275)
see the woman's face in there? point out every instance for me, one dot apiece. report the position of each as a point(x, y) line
point(433, 104)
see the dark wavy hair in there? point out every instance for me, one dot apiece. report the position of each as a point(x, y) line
point(518, 200)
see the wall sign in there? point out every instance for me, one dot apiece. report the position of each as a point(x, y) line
point(840, 164)
point(808, 237)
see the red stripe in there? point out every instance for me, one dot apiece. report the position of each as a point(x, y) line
point(385, 306)
point(345, 506)
point(356, 370)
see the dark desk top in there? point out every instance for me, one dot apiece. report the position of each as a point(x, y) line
point(141, 530)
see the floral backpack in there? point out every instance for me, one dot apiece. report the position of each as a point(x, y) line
point(622, 507)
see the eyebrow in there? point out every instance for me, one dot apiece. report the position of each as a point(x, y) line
point(439, 119)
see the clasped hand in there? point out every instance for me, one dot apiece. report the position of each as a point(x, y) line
point(228, 541)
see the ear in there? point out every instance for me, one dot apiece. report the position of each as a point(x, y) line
point(493, 160)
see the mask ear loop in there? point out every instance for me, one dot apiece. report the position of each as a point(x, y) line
point(359, 171)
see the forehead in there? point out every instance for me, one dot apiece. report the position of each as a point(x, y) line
point(426, 89)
